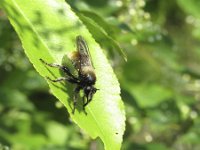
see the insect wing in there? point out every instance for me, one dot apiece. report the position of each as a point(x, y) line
point(84, 52)
point(75, 59)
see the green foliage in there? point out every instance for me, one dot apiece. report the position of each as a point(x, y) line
point(159, 82)
point(40, 35)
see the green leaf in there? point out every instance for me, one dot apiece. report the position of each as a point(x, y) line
point(110, 29)
point(190, 6)
point(47, 30)
point(149, 95)
point(100, 34)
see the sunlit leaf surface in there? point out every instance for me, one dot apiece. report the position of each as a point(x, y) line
point(47, 30)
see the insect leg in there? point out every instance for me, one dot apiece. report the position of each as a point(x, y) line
point(83, 99)
point(63, 79)
point(63, 68)
point(76, 91)
point(57, 80)
point(87, 101)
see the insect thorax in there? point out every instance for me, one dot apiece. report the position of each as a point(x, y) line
point(87, 75)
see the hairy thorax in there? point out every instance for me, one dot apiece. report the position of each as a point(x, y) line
point(88, 75)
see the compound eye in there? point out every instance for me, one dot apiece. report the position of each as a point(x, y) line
point(88, 88)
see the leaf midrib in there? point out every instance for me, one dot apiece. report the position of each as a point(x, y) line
point(33, 29)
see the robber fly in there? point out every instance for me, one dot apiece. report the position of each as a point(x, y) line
point(86, 78)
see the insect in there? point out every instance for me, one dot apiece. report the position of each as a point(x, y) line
point(85, 79)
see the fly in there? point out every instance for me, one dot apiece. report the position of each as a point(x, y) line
point(86, 78)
